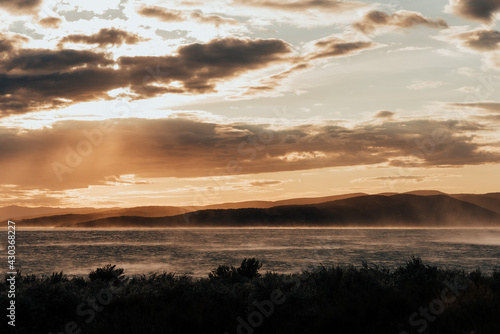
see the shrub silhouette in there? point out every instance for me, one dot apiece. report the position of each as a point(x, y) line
point(249, 268)
point(108, 273)
point(58, 277)
point(340, 299)
point(222, 271)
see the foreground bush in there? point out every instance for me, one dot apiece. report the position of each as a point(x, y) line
point(415, 298)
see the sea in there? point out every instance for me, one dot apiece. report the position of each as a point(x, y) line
point(197, 251)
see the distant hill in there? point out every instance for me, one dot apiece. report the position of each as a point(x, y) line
point(488, 201)
point(402, 210)
point(161, 211)
point(19, 212)
point(72, 219)
point(421, 207)
point(269, 204)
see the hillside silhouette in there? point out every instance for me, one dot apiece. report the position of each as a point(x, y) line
point(402, 210)
point(418, 208)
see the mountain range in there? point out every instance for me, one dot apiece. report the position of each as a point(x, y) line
point(413, 209)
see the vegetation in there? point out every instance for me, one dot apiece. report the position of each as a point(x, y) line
point(415, 298)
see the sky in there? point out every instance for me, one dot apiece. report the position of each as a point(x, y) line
point(124, 103)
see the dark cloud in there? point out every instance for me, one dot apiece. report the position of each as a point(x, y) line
point(480, 40)
point(9, 43)
point(477, 10)
point(304, 5)
point(401, 19)
point(32, 79)
point(49, 61)
point(20, 6)
point(170, 15)
point(50, 22)
point(335, 47)
point(384, 114)
point(188, 148)
point(200, 66)
point(105, 37)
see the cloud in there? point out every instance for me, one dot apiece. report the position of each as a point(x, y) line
point(48, 61)
point(493, 61)
point(20, 6)
point(8, 42)
point(37, 79)
point(480, 111)
point(485, 106)
point(165, 15)
point(320, 49)
point(419, 85)
point(406, 178)
point(304, 5)
point(273, 82)
point(375, 20)
point(212, 19)
point(50, 22)
point(384, 114)
point(265, 183)
point(178, 147)
point(200, 66)
point(105, 37)
point(398, 178)
point(123, 180)
point(169, 15)
point(335, 47)
point(479, 40)
point(477, 10)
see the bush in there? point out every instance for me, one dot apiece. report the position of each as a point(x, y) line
point(249, 268)
point(343, 299)
point(108, 273)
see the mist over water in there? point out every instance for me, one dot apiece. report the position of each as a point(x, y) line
point(196, 252)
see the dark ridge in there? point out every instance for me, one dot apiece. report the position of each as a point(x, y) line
point(369, 211)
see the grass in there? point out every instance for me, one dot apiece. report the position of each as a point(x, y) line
point(415, 298)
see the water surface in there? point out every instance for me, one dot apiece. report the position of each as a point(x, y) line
point(197, 251)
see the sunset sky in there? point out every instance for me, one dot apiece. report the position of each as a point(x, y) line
point(128, 103)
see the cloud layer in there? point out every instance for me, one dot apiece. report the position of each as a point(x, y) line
point(33, 79)
point(78, 154)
